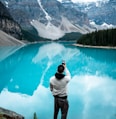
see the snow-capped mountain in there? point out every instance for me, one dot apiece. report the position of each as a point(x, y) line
point(54, 18)
point(50, 17)
point(100, 12)
point(103, 12)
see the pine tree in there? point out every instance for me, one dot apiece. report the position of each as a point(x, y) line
point(99, 38)
point(35, 116)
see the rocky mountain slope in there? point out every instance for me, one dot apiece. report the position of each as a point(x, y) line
point(100, 12)
point(7, 24)
point(49, 17)
point(103, 12)
point(25, 11)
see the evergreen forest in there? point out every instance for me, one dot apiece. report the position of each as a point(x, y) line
point(99, 38)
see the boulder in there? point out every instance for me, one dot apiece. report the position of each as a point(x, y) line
point(8, 114)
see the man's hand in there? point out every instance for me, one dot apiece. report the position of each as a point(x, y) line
point(63, 63)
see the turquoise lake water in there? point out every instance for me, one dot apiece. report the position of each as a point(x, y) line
point(25, 73)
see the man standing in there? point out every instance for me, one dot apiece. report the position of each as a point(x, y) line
point(58, 87)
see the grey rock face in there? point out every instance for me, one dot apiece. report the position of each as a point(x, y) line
point(7, 24)
point(25, 11)
point(99, 12)
point(104, 13)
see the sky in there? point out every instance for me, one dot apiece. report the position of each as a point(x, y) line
point(85, 0)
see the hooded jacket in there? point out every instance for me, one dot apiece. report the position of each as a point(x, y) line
point(58, 83)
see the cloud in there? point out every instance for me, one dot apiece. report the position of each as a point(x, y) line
point(88, 94)
point(93, 95)
point(36, 103)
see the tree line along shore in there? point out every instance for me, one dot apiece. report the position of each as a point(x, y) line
point(101, 39)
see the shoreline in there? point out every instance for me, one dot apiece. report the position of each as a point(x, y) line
point(8, 40)
point(89, 46)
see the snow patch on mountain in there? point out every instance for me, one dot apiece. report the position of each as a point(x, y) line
point(52, 32)
point(48, 31)
point(47, 15)
point(107, 25)
point(102, 26)
point(6, 4)
point(89, 1)
point(84, 1)
point(68, 27)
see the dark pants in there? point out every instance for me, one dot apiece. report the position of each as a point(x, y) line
point(60, 103)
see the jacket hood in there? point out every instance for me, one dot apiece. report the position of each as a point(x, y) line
point(59, 76)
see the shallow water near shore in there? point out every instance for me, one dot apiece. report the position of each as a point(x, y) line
point(24, 81)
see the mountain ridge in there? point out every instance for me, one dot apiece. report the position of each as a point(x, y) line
point(53, 19)
point(26, 13)
point(7, 24)
point(100, 12)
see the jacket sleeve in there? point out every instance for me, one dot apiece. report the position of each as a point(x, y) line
point(51, 85)
point(68, 75)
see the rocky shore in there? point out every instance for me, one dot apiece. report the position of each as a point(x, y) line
point(89, 46)
point(8, 114)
